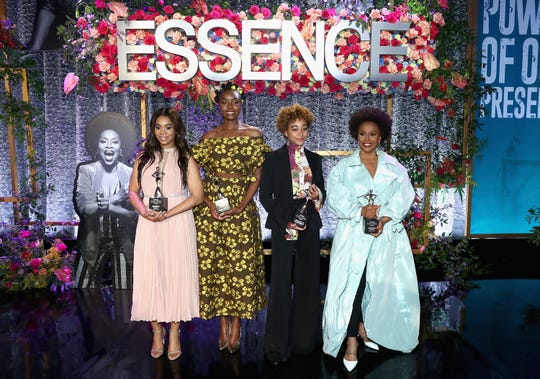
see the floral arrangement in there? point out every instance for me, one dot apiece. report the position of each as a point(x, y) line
point(29, 259)
point(91, 45)
point(456, 261)
point(418, 228)
point(6, 35)
point(452, 170)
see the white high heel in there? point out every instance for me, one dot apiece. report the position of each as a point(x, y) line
point(349, 365)
point(372, 345)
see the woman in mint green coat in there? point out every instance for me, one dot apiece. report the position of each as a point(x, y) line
point(385, 308)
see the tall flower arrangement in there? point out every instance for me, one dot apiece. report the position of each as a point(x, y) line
point(91, 44)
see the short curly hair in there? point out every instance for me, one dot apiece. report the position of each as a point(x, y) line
point(290, 113)
point(376, 115)
point(229, 86)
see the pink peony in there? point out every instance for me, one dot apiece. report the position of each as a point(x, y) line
point(430, 62)
point(63, 274)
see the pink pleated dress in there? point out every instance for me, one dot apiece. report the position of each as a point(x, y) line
point(165, 266)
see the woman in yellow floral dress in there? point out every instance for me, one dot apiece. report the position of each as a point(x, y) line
point(231, 264)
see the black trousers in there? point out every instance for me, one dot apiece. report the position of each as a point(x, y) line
point(293, 315)
point(356, 314)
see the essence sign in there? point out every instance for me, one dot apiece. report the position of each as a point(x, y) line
point(240, 59)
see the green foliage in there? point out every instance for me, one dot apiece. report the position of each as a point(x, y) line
point(23, 117)
point(533, 216)
point(456, 261)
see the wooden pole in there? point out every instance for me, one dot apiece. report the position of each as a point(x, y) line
point(3, 12)
point(468, 116)
point(143, 115)
point(12, 158)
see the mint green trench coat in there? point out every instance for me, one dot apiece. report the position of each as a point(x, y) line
point(391, 304)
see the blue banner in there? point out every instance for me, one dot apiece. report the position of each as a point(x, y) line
point(507, 172)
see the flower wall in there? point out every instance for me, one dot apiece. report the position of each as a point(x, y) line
point(91, 44)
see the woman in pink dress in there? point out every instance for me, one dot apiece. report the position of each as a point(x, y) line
point(165, 268)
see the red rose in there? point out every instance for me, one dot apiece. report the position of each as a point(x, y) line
point(103, 28)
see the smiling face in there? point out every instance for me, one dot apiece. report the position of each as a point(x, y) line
point(109, 147)
point(164, 131)
point(369, 136)
point(297, 132)
point(230, 105)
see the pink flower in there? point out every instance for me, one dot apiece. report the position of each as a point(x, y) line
point(120, 9)
point(458, 80)
point(24, 233)
point(103, 28)
point(168, 9)
point(81, 23)
point(266, 12)
point(63, 274)
point(71, 80)
point(254, 9)
point(443, 4)
point(35, 263)
point(101, 4)
point(60, 245)
point(437, 103)
point(295, 11)
point(430, 62)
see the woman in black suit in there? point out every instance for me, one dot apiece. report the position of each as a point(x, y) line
point(292, 176)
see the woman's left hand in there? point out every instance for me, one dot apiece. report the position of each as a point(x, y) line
point(231, 212)
point(156, 216)
point(313, 192)
point(380, 226)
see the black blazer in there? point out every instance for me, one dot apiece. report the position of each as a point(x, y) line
point(275, 190)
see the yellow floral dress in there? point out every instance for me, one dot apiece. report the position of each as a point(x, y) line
point(231, 262)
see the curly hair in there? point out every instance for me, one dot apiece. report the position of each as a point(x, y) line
point(114, 121)
point(230, 86)
point(289, 114)
point(152, 145)
point(376, 115)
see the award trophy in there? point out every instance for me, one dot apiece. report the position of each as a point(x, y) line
point(370, 224)
point(300, 216)
point(222, 203)
point(158, 203)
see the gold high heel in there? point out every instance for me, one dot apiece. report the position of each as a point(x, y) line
point(224, 329)
point(175, 354)
point(234, 347)
point(156, 353)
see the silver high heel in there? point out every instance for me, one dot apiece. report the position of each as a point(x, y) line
point(175, 354)
point(156, 353)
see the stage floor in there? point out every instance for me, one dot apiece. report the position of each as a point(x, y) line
point(89, 335)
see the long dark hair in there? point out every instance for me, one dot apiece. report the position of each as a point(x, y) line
point(152, 145)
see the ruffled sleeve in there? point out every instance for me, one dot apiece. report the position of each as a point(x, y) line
point(255, 157)
point(199, 151)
